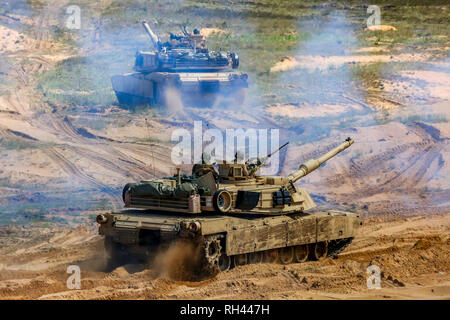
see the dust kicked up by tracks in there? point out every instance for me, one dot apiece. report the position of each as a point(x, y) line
point(180, 261)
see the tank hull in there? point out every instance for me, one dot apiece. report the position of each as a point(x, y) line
point(198, 89)
point(235, 239)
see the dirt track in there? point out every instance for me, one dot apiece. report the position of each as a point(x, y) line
point(412, 253)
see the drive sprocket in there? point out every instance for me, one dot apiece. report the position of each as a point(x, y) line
point(211, 250)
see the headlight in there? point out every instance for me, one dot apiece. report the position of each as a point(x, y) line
point(194, 226)
point(101, 219)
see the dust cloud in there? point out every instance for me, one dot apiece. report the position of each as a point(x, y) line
point(175, 106)
point(180, 261)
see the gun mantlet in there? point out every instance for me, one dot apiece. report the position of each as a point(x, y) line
point(299, 196)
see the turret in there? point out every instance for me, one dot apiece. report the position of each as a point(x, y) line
point(236, 189)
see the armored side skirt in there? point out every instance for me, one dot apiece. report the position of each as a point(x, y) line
point(240, 234)
point(163, 88)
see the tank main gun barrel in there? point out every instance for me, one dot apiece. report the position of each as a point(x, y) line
point(151, 34)
point(312, 164)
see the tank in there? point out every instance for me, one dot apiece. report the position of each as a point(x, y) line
point(233, 215)
point(184, 70)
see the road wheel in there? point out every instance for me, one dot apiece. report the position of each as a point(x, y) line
point(301, 253)
point(320, 250)
point(240, 259)
point(224, 262)
point(287, 255)
point(255, 257)
point(271, 256)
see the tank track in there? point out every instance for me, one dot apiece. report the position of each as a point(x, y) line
point(213, 259)
point(333, 249)
point(338, 246)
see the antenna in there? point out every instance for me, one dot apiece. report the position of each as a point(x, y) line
point(153, 155)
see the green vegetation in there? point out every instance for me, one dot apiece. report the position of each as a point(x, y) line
point(261, 31)
point(371, 73)
point(95, 123)
point(44, 207)
point(81, 81)
point(17, 143)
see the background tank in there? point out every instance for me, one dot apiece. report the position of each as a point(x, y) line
point(233, 216)
point(184, 67)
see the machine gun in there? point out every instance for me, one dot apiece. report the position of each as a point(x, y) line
point(253, 166)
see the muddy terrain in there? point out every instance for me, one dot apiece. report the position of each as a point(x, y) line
point(316, 73)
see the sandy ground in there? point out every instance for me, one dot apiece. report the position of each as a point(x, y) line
point(393, 168)
point(68, 158)
point(309, 62)
point(396, 175)
point(13, 40)
point(412, 254)
point(206, 32)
